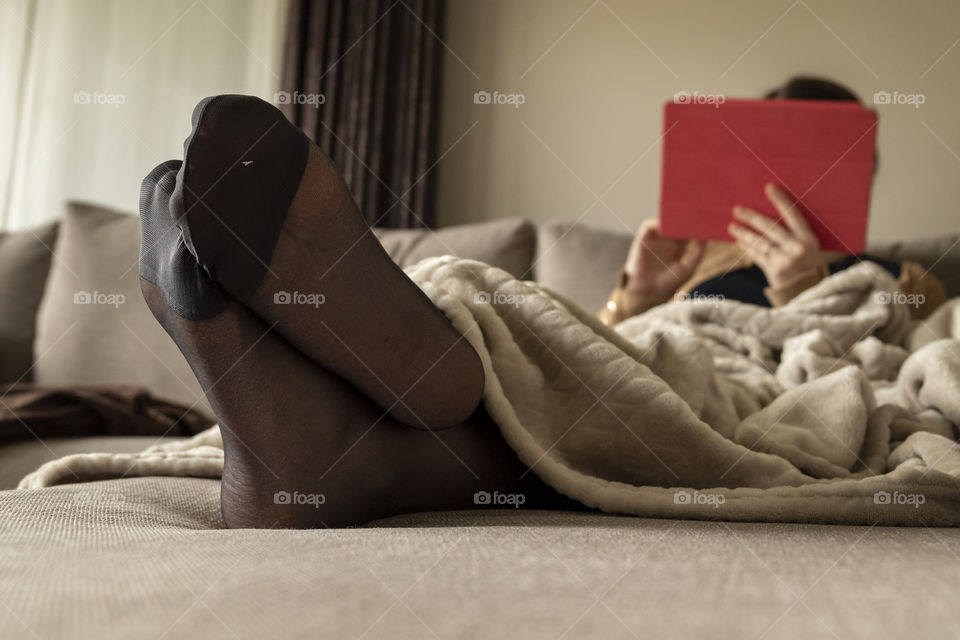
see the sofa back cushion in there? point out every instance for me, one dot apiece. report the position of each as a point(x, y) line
point(24, 265)
point(579, 261)
point(93, 326)
point(507, 243)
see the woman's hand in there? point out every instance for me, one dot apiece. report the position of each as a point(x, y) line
point(784, 253)
point(657, 266)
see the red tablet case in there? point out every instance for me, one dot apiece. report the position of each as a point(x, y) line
point(820, 153)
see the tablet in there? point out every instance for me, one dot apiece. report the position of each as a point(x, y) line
point(716, 156)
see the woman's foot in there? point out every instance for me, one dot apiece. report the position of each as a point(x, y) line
point(268, 216)
point(284, 421)
point(302, 448)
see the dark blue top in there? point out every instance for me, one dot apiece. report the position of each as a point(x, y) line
point(746, 285)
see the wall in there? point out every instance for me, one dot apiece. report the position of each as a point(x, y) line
point(585, 144)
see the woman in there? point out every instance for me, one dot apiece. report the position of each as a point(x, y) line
point(768, 263)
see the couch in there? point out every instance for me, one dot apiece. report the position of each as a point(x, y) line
point(149, 557)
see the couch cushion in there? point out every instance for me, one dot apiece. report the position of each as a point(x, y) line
point(93, 326)
point(145, 558)
point(507, 243)
point(24, 265)
point(579, 261)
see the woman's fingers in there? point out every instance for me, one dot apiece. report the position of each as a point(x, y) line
point(790, 212)
point(753, 244)
point(692, 254)
point(650, 223)
point(767, 226)
point(650, 251)
point(647, 229)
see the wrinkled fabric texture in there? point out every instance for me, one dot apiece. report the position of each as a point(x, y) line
point(29, 411)
point(834, 408)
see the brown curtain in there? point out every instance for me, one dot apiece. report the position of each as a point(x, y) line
point(361, 78)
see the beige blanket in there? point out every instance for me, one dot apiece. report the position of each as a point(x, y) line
point(834, 408)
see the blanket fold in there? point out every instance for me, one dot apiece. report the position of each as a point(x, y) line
point(834, 408)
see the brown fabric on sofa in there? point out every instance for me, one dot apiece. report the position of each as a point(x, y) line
point(34, 411)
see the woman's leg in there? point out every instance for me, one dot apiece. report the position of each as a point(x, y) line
point(302, 447)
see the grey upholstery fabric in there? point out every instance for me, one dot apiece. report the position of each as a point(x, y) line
point(507, 243)
point(145, 558)
point(24, 264)
point(579, 261)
